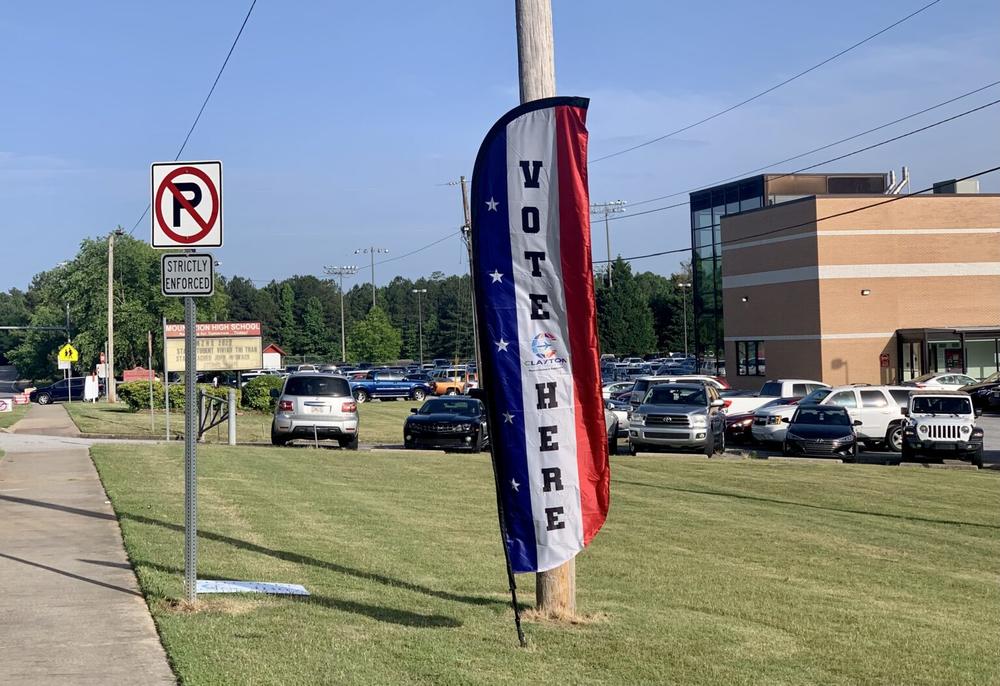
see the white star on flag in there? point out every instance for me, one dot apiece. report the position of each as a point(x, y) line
point(508, 418)
point(496, 276)
point(492, 204)
point(514, 484)
point(502, 345)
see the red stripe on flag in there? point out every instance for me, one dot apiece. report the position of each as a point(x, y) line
point(581, 313)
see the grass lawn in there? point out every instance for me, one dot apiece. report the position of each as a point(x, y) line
point(8, 419)
point(381, 422)
point(707, 572)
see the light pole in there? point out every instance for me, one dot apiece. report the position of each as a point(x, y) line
point(607, 208)
point(110, 372)
point(349, 270)
point(420, 323)
point(684, 308)
point(372, 251)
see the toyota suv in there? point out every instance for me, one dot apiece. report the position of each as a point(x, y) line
point(942, 423)
point(679, 415)
point(315, 405)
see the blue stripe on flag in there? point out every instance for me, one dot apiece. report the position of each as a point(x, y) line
point(492, 256)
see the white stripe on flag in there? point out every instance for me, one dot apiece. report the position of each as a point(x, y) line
point(531, 138)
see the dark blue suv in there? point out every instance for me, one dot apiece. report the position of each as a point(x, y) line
point(60, 390)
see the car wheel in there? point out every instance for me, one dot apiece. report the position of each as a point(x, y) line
point(613, 444)
point(44, 399)
point(361, 395)
point(894, 438)
point(721, 447)
point(785, 451)
point(276, 439)
point(906, 451)
point(710, 445)
point(977, 457)
point(349, 443)
point(632, 449)
point(418, 394)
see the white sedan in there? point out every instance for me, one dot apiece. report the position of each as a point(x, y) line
point(941, 382)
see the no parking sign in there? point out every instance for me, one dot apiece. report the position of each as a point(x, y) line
point(186, 199)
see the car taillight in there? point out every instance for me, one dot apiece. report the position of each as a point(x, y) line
point(726, 403)
point(349, 407)
point(285, 406)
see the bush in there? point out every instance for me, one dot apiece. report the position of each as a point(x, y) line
point(257, 393)
point(135, 394)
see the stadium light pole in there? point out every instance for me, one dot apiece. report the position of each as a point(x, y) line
point(372, 251)
point(608, 208)
point(349, 270)
point(420, 323)
point(684, 307)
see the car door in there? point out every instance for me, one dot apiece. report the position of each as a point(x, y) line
point(877, 411)
point(60, 390)
point(849, 401)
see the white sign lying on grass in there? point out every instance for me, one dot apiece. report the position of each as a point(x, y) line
point(212, 586)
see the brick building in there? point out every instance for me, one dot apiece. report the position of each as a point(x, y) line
point(824, 287)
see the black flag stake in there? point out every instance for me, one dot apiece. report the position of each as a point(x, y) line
point(506, 555)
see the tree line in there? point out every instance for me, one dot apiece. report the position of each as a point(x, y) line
point(641, 314)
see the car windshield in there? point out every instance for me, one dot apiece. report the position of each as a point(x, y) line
point(942, 405)
point(822, 416)
point(466, 408)
point(673, 395)
point(317, 385)
point(815, 396)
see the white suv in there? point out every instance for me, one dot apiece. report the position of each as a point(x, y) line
point(942, 422)
point(878, 408)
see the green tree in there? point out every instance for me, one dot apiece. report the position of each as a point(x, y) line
point(315, 335)
point(374, 338)
point(288, 328)
point(624, 318)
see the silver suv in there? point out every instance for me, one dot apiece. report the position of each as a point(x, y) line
point(679, 415)
point(315, 405)
point(942, 423)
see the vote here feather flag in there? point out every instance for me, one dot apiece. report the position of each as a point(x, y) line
point(536, 312)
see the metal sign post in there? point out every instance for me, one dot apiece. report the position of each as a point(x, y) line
point(190, 457)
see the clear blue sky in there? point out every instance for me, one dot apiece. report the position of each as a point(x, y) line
point(337, 121)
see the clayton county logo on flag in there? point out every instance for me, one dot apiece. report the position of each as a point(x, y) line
point(536, 312)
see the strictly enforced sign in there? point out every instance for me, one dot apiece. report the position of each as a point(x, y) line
point(187, 275)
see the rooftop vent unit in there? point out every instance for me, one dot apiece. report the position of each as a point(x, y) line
point(956, 186)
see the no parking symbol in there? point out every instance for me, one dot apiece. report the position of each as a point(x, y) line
point(187, 205)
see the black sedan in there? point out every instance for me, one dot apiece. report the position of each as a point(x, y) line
point(447, 423)
point(821, 431)
point(739, 427)
point(985, 394)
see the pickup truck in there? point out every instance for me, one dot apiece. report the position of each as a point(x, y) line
point(452, 381)
point(780, 388)
point(387, 385)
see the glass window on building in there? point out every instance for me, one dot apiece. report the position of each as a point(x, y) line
point(750, 360)
point(981, 358)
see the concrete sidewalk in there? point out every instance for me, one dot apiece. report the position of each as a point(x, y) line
point(46, 420)
point(71, 608)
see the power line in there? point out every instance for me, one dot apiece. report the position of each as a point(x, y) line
point(832, 159)
point(820, 148)
point(418, 250)
point(204, 103)
point(895, 198)
point(768, 90)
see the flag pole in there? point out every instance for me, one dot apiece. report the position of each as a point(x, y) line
point(506, 554)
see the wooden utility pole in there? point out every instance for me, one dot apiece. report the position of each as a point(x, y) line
point(110, 369)
point(555, 590)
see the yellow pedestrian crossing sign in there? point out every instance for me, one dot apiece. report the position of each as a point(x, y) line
point(68, 353)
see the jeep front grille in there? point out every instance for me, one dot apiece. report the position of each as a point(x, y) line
point(943, 432)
